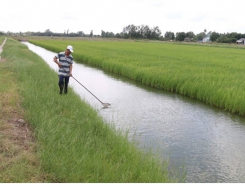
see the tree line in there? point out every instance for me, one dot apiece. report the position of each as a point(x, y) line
point(135, 32)
point(145, 32)
point(213, 36)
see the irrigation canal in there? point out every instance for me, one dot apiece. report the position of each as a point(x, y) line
point(205, 142)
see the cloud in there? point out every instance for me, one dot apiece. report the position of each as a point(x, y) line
point(157, 4)
point(111, 15)
point(199, 18)
point(175, 15)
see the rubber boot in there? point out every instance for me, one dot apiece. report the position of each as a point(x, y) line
point(65, 91)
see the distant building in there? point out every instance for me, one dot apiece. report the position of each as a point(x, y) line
point(187, 39)
point(241, 41)
point(207, 37)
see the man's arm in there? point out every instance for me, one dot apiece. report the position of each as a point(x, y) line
point(56, 61)
point(71, 70)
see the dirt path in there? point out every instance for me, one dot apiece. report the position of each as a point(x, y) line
point(1, 47)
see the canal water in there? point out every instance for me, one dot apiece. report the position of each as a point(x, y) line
point(206, 144)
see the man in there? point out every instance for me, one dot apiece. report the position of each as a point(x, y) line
point(64, 60)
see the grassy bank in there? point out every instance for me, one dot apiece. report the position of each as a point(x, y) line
point(18, 159)
point(73, 142)
point(1, 39)
point(213, 74)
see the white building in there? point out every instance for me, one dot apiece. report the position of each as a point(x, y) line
point(241, 41)
point(207, 37)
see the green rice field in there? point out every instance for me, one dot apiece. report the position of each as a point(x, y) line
point(213, 74)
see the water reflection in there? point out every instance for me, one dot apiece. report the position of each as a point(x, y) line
point(207, 141)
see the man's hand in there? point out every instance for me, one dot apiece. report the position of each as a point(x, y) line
point(55, 59)
point(70, 74)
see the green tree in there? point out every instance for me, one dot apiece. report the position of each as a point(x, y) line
point(214, 36)
point(155, 33)
point(180, 36)
point(80, 33)
point(103, 34)
point(190, 34)
point(146, 32)
point(229, 37)
point(169, 35)
point(200, 36)
point(48, 32)
point(143, 31)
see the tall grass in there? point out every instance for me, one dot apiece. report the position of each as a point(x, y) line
point(18, 160)
point(74, 143)
point(213, 74)
point(1, 40)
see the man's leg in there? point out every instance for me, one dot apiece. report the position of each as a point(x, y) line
point(66, 84)
point(61, 83)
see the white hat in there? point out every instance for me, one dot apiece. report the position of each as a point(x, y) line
point(70, 48)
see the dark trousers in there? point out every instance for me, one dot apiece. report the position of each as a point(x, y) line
point(63, 78)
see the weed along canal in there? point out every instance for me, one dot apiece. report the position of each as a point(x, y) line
point(203, 143)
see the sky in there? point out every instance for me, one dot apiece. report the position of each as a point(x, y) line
point(221, 16)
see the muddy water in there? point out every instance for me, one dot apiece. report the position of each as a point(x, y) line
point(206, 143)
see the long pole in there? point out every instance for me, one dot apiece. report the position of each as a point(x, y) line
point(104, 104)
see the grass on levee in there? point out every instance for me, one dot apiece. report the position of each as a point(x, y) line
point(18, 159)
point(211, 73)
point(1, 39)
point(73, 143)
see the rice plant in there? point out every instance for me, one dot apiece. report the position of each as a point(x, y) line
point(213, 74)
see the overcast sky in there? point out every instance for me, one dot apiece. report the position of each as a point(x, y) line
point(221, 16)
